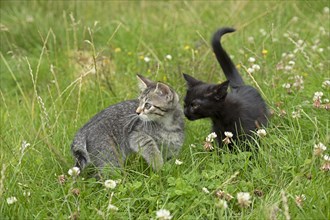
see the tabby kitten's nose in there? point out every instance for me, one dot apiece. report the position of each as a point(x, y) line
point(138, 110)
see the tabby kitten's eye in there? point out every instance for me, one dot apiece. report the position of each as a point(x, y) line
point(147, 106)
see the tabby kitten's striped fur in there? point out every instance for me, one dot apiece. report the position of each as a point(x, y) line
point(152, 126)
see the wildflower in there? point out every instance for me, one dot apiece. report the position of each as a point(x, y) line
point(11, 200)
point(317, 99)
point(110, 184)
point(263, 32)
point(117, 50)
point(325, 166)
point(264, 52)
point(286, 85)
point(112, 207)
point(228, 135)
point(61, 179)
point(288, 68)
point(223, 195)
point(319, 149)
point(296, 114)
point(222, 204)
point(261, 132)
point(146, 59)
point(244, 199)
point(187, 47)
point(208, 142)
point(75, 191)
point(256, 67)
point(251, 59)
point(326, 100)
point(326, 10)
point(210, 137)
point(258, 192)
point(205, 190)
point(208, 146)
point(168, 56)
point(291, 62)
point(295, 19)
point(163, 214)
point(300, 200)
point(326, 158)
point(326, 84)
point(250, 70)
point(178, 162)
point(250, 39)
point(74, 171)
point(299, 82)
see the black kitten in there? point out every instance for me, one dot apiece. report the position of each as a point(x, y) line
point(241, 111)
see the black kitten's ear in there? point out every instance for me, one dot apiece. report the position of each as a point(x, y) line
point(219, 91)
point(144, 82)
point(191, 81)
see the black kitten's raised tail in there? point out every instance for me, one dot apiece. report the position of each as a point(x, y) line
point(235, 80)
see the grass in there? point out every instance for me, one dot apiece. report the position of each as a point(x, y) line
point(62, 62)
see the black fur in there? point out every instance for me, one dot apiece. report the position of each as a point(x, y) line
point(241, 111)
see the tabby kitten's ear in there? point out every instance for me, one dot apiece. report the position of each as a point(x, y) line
point(163, 90)
point(191, 81)
point(144, 82)
point(219, 91)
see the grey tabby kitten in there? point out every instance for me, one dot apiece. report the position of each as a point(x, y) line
point(151, 126)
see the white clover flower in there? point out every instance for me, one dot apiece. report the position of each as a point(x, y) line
point(326, 100)
point(300, 200)
point(250, 70)
point(228, 134)
point(178, 162)
point(286, 85)
point(263, 32)
point(317, 96)
point(243, 199)
point(222, 204)
point(110, 184)
point(326, 84)
point(252, 59)
point(291, 62)
point(319, 149)
point(210, 137)
point(295, 19)
point(74, 171)
point(205, 190)
point(261, 132)
point(256, 67)
point(163, 214)
point(326, 10)
point(11, 200)
point(326, 158)
point(112, 207)
point(250, 39)
point(168, 56)
point(288, 68)
point(146, 59)
point(296, 114)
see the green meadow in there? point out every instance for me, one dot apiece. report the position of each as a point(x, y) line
point(64, 61)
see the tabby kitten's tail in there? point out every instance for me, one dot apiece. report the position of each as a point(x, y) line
point(235, 80)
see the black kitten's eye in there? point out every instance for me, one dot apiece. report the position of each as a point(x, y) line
point(147, 106)
point(194, 105)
